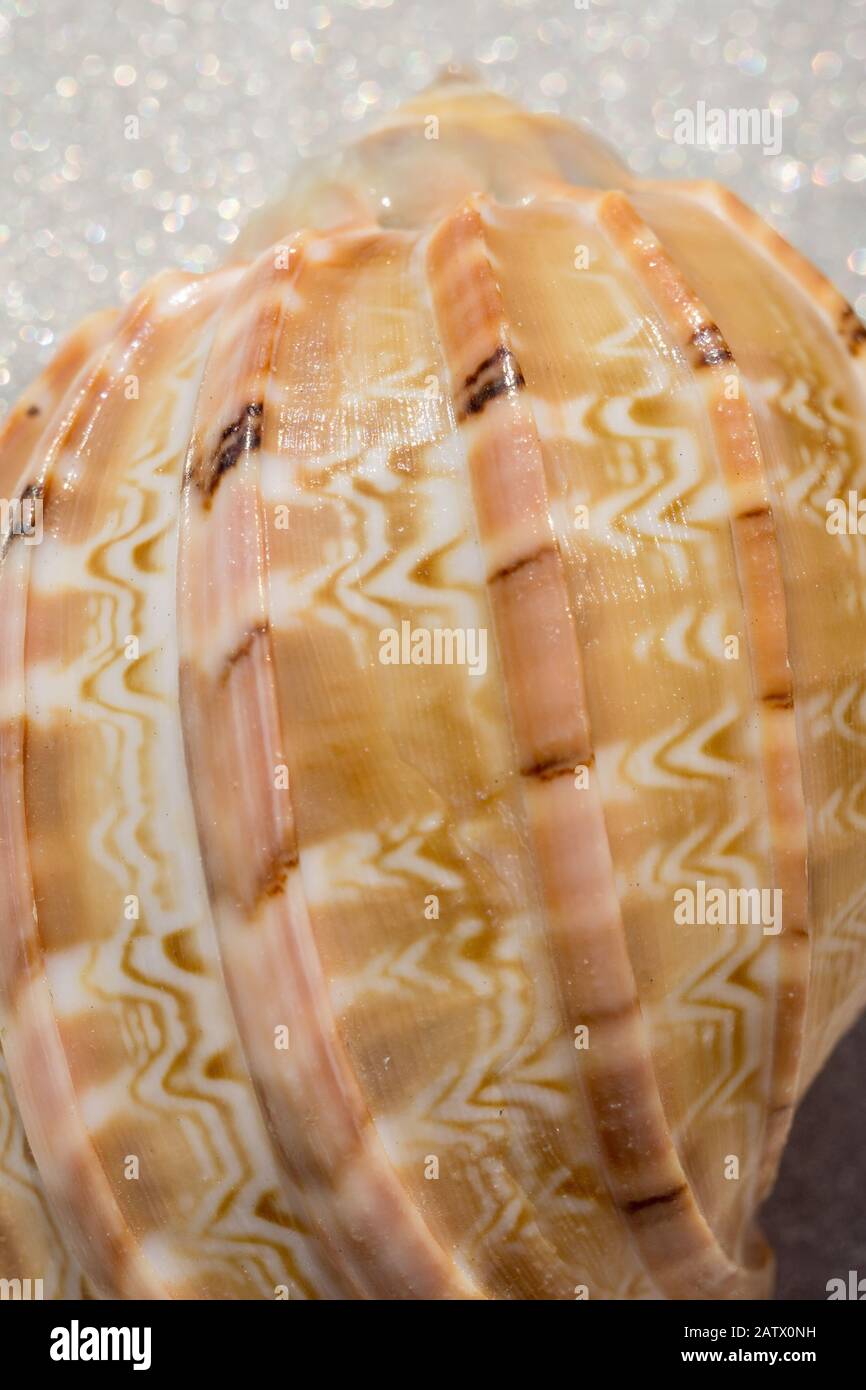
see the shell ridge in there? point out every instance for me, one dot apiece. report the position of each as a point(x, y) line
point(805, 360)
point(665, 1220)
point(43, 1053)
point(287, 979)
point(760, 575)
point(38, 1227)
point(488, 380)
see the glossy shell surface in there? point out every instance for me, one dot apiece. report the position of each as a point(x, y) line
point(329, 973)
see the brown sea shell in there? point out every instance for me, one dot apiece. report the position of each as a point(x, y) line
point(433, 740)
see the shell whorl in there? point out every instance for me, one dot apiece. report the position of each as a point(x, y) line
point(372, 966)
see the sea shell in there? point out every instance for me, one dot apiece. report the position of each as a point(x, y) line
point(428, 611)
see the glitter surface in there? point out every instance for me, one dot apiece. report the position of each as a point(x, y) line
point(143, 133)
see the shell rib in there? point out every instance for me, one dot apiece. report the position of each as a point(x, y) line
point(327, 974)
point(760, 578)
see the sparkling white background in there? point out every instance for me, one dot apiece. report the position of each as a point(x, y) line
point(230, 95)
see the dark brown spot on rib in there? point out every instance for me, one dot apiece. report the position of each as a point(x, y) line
point(659, 1199)
point(243, 649)
point(497, 374)
point(524, 560)
point(491, 361)
point(243, 435)
point(33, 410)
point(754, 514)
point(491, 389)
point(273, 880)
point(780, 699)
point(853, 330)
point(711, 347)
point(557, 767)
